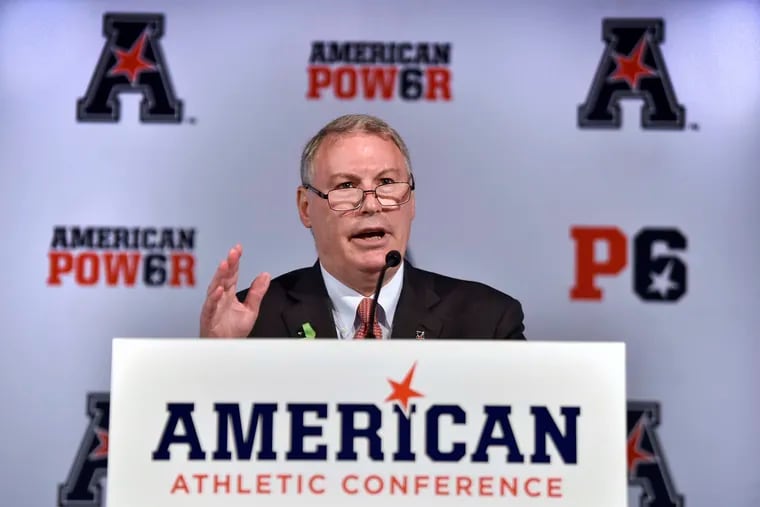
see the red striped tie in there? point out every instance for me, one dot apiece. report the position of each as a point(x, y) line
point(363, 312)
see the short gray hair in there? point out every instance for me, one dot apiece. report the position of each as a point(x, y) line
point(350, 124)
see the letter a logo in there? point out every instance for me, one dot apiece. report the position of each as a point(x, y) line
point(83, 486)
point(632, 66)
point(647, 467)
point(131, 61)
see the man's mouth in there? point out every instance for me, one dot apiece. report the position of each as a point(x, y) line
point(369, 234)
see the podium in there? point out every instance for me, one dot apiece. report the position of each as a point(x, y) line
point(208, 422)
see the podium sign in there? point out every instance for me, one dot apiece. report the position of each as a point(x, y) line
point(393, 423)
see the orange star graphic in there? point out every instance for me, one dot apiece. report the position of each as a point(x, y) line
point(631, 68)
point(101, 451)
point(402, 391)
point(636, 454)
point(131, 63)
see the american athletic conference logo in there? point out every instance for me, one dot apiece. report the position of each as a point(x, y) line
point(131, 61)
point(554, 441)
point(633, 67)
point(647, 467)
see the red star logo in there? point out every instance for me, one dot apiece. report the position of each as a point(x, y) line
point(131, 63)
point(631, 68)
point(636, 454)
point(402, 391)
point(101, 451)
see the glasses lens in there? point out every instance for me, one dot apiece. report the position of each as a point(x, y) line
point(394, 194)
point(344, 199)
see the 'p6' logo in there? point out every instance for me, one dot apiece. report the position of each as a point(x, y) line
point(659, 274)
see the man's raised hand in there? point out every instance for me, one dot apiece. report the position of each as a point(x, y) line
point(222, 315)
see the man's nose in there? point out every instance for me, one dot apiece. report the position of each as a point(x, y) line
point(371, 204)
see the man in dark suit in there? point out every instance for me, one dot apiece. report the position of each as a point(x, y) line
point(357, 197)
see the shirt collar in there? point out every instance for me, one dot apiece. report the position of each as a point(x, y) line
point(346, 300)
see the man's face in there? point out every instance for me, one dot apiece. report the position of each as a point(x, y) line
point(348, 241)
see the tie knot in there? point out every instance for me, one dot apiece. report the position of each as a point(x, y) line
point(363, 311)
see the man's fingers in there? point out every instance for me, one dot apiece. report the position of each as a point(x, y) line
point(256, 291)
point(226, 273)
point(219, 275)
point(229, 282)
point(233, 257)
point(209, 309)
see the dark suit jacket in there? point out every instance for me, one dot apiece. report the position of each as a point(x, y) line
point(441, 306)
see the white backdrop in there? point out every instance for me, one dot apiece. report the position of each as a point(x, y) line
point(503, 173)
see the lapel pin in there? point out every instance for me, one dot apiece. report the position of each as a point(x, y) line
point(420, 335)
point(307, 332)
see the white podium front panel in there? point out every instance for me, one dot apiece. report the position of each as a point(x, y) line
point(399, 423)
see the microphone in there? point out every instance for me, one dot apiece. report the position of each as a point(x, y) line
point(392, 259)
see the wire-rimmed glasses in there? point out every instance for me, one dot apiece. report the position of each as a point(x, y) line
point(347, 199)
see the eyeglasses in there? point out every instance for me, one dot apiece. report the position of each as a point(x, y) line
point(347, 199)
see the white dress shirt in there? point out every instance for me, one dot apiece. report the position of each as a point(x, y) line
point(345, 302)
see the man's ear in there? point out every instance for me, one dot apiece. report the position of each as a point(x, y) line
point(302, 202)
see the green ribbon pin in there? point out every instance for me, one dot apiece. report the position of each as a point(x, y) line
point(308, 331)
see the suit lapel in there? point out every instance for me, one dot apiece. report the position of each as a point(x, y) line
point(413, 310)
point(310, 304)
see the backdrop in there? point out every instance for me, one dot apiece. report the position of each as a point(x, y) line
point(596, 159)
